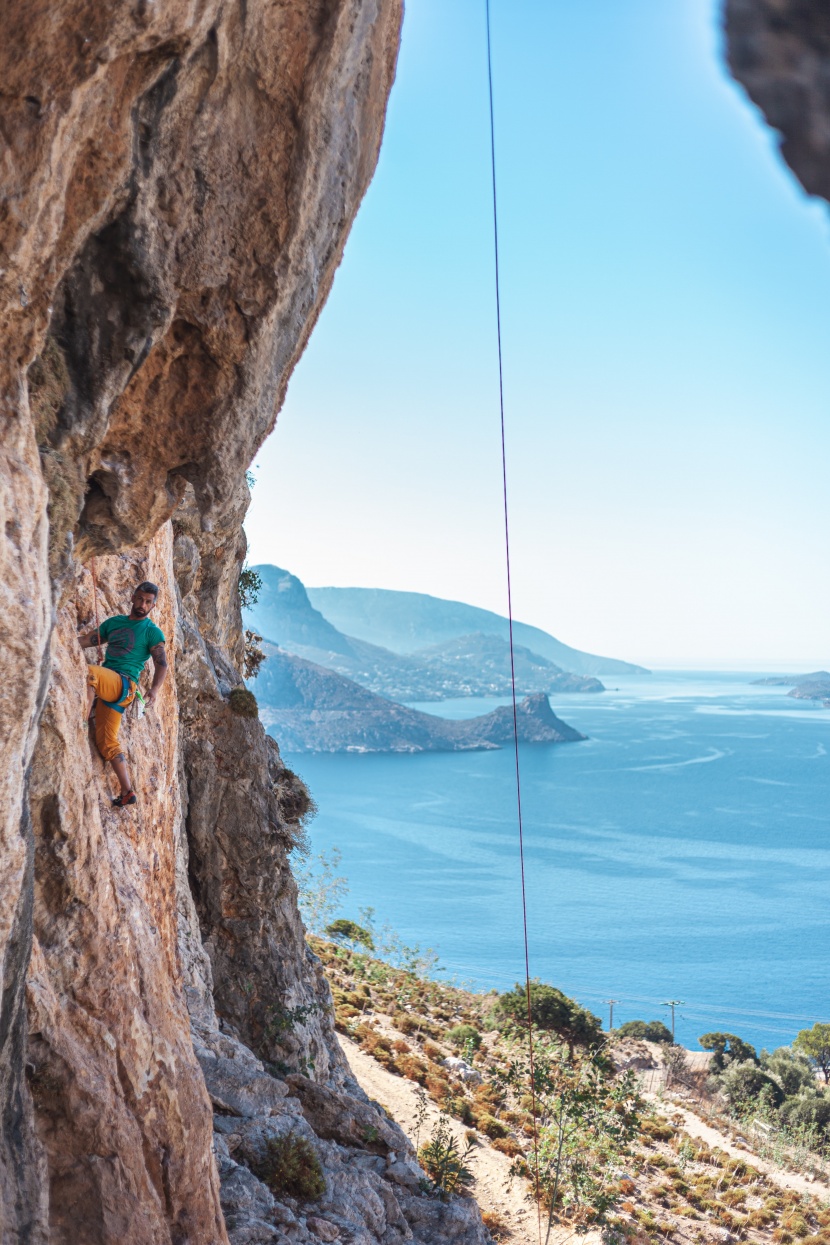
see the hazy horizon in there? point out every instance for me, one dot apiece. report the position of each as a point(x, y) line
point(666, 316)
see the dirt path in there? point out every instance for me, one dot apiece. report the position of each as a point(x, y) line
point(696, 1127)
point(493, 1188)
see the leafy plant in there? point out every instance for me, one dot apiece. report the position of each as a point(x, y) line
point(744, 1083)
point(250, 586)
point(815, 1044)
point(243, 703)
point(444, 1163)
point(292, 1168)
point(464, 1036)
point(321, 889)
point(727, 1048)
point(252, 655)
point(648, 1031)
point(551, 1011)
point(586, 1119)
point(350, 933)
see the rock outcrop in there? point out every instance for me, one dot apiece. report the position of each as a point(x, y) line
point(179, 181)
point(312, 709)
point(780, 51)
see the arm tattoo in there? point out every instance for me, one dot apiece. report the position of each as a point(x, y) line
point(159, 655)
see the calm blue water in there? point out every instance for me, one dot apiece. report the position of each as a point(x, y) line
point(682, 852)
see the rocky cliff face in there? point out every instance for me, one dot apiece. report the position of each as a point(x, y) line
point(780, 51)
point(179, 180)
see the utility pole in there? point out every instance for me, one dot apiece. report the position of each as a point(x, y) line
point(673, 1003)
point(610, 1003)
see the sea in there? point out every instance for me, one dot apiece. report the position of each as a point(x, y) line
point(682, 852)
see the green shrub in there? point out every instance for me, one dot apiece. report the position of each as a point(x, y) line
point(806, 1111)
point(552, 1011)
point(648, 1031)
point(250, 586)
point(293, 1169)
point(461, 1108)
point(349, 932)
point(491, 1127)
point(463, 1035)
point(792, 1070)
point(243, 703)
point(745, 1083)
point(444, 1163)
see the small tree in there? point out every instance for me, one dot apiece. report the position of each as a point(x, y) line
point(250, 586)
point(677, 1066)
point(815, 1044)
point(321, 890)
point(653, 1031)
point(586, 1119)
point(745, 1085)
point(727, 1049)
point(350, 933)
point(551, 1011)
point(792, 1071)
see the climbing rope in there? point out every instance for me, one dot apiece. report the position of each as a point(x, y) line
point(510, 619)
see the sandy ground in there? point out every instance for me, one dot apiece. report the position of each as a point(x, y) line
point(493, 1188)
point(695, 1127)
point(509, 1199)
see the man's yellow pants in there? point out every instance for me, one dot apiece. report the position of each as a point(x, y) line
point(108, 685)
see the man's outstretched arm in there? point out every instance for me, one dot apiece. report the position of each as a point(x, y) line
point(89, 639)
point(159, 657)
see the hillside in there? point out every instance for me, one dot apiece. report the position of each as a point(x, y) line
point(476, 665)
point(312, 709)
point(407, 622)
point(686, 1173)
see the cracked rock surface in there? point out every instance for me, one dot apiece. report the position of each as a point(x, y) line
point(179, 180)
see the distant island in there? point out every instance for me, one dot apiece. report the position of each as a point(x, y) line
point(815, 686)
point(312, 709)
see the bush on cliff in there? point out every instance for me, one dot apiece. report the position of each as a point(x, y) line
point(243, 703)
point(292, 1169)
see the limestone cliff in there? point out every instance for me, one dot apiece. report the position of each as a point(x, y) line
point(179, 180)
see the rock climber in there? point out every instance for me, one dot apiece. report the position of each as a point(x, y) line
point(130, 640)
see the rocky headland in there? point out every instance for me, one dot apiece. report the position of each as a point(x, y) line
point(179, 182)
point(815, 686)
point(312, 709)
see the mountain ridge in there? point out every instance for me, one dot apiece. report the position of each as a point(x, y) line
point(470, 665)
point(408, 621)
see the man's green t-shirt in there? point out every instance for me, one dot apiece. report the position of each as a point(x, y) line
point(128, 642)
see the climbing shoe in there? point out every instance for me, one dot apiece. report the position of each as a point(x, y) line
point(121, 801)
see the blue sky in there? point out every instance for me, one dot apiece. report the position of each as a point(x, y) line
point(666, 311)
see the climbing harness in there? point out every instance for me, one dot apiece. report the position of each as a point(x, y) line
point(510, 620)
point(121, 703)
